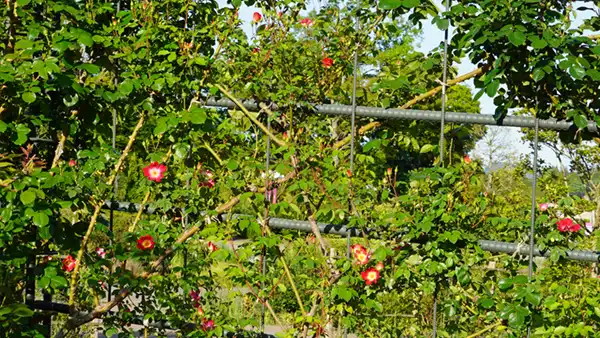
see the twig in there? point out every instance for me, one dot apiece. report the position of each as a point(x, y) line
point(484, 330)
point(376, 124)
point(213, 153)
point(59, 149)
point(252, 118)
point(138, 216)
point(97, 209)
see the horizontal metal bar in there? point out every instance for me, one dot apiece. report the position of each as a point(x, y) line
point(423, 115)
point(510, 248)
point(342, 230)
point(39, 139)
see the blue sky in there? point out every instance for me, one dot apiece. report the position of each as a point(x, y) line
point(431, 38)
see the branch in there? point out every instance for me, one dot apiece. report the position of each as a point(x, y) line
point(59, 149)
point(252, 118)
point(97, 209)
point(376, 124)
point(99, 311)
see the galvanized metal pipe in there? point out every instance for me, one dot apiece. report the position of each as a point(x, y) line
point(342, 230)
point(423, 115)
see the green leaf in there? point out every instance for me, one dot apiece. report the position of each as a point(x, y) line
point(517, 317)
point(84, 38)
point(399, 82)
point(23, 2)
point(72, 100)
point(126, 87)
point(344, 293)
point(486, 303)
point(22, 311)
point(426, 148)
point(580, 121)
point(281, 287)
point(593, 74)
point(197, 115)
point(23, 44)
point(22, 134)
point(372, 304)
point(576, 71)
point(414, 260)
point(492, 88)
point(373, 144)
point(3, 126)
point(232, 165)
point(538, 74)
point(58, 282)
point(90, 68)
point(411, 3)
point(28, 97)
point(520, 279)
point(390, 4)
point(559, 330)
point(40, 219)
point(505, 284)
point(533, 298)
point(44, 282)
point(442, 23)
point(463, 276)
point(517, 38)
point(27, 197)
point(538, 43)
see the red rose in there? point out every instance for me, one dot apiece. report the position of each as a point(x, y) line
point(362, 256)
point(256, 17)
point(306, 22)
point(327, 62)
point(68, 263)
point(370, 276)
point(212, 247)
point(155, 172)
point(379, 266)
point(101, 252)
point(564, 224)
point(467, 159)
point(208, 325)
point(145, 243)
point(72, 163)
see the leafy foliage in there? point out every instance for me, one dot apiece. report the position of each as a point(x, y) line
point(70, 70)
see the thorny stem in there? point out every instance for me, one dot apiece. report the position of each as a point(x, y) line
point(213, 153)
point(250, 117)
point(59, 149)
point(97, 209)
point(138, 216)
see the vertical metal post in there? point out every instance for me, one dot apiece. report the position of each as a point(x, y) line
point(30, 279)
point(116, 183)
point(444, 83)
point(533, 204)
point(268, 195)
point(442, 127)
point(48, 317)
point(533, 208)
point(352, 138)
